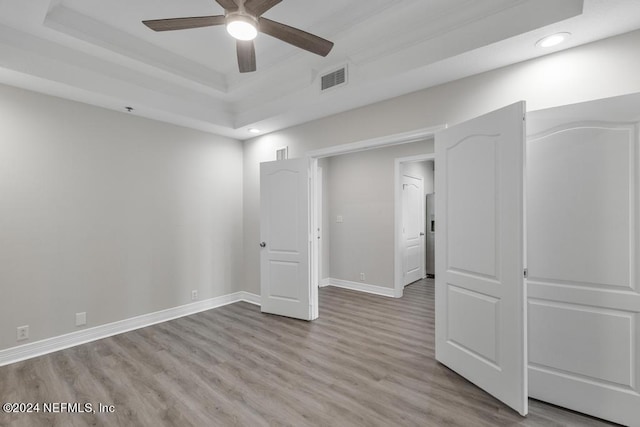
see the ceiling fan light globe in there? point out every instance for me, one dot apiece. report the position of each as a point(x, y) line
point(241, 29)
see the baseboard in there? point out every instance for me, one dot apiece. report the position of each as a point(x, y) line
point(49, 345)
point(249, 297)
point(324, 282)
point(362, 287)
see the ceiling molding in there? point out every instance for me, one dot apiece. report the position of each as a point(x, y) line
point(447, 34)
point(87, 29)
point(48, 60)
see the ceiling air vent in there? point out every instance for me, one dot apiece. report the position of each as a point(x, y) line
point(334, 78)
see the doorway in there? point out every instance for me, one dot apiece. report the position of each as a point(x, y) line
point(408, 169)
point(317, 159)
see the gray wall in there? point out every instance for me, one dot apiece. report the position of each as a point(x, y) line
point(325, 228)
point(602, 69)
point(109, 214)
point(360, 189)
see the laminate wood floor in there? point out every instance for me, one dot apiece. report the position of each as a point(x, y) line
point(368, 361)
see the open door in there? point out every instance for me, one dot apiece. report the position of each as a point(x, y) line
point(480, 294)
point(413, 224)
point(285, 279)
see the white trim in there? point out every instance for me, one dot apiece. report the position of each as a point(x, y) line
point(318, 236)
point(315, 185)
point(49, 345)
point(323, 283)
point(399, 246)
point(362, 287)
point(246, 297)
point(384, 141)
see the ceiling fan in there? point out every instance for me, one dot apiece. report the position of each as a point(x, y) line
point(243, 19)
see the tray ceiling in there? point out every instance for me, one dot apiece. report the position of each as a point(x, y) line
point(98, 52)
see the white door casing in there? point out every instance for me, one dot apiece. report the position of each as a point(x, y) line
point(319, 240)
point(413, 223)
point(583, 247)
point(480, 294)
point(285, 277)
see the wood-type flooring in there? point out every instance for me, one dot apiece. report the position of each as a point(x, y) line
point(367, 361)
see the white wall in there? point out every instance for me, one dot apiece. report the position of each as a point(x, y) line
point(606, 68)
point(360, 189)
point(109, 214)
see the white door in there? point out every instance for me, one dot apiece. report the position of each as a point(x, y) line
point(583, 259)
point(285, 279)
point(413, 223)
point(480, 310)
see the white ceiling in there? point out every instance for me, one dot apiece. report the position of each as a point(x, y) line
point(98, 52)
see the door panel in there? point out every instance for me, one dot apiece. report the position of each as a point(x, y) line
point(285, 281)
point(413, 210)
point(283, 206)
point(472, 240)
point(584, 303)
point(580, 186)
point(603, 355)
point(480, 310)
point(483, 311)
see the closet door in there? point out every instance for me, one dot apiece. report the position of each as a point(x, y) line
point(583, 259)
point(480, 295)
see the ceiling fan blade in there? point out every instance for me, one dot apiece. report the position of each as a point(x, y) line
point(296, 37)
point(258, 7)
point(184, 23)
point(246, 56)
point(228, 5)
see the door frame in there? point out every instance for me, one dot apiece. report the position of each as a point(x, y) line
point(316, 203)
point(399, 244)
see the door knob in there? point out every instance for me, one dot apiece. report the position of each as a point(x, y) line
point(422, 234)
point(263, 244)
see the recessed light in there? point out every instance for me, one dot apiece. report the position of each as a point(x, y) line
point(254, 130)
point(553, 40)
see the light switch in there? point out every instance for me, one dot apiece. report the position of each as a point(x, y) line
point(339, 218)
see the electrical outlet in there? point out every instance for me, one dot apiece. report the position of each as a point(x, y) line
point(22, 333)
point(362, 277)
point(194, 295)
point(81, 319)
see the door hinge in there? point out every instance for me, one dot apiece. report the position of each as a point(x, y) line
point(526, 273)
